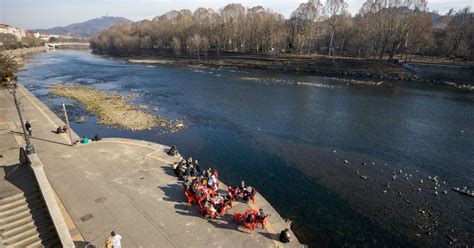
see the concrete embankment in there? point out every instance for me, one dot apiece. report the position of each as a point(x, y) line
point(128, 186)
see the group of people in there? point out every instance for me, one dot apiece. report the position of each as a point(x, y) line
point(245, 193)
point(86, 140)
point(64, 129)
point(61, 129)
point(187, 168)
point(201, 186)
point(114, 240)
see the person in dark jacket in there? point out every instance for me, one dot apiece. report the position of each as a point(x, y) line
point(96, 137)
point(285, 236)
point(28, 127)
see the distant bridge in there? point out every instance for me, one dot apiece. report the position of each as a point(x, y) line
point(56, 44)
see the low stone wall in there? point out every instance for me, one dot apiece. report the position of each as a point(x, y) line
point(50, 200)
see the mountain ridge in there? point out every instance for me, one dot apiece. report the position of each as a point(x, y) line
point(85, 29)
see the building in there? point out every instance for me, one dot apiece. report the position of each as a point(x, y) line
point(17, 32)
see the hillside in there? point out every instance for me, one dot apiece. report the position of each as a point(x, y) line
point(85, 29)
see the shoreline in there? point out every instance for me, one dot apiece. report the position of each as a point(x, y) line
point(21, 55)
point(318, 65)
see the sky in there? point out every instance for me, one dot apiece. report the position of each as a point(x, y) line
point(31, 14)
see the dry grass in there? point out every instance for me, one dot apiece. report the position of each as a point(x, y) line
point(111, 109)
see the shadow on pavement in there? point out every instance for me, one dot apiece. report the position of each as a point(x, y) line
point(36, 138)
point(173, 193)
point(168, 169)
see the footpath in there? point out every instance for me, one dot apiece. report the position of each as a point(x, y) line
point(126, 186)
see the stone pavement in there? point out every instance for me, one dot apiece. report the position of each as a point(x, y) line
point(127, 186)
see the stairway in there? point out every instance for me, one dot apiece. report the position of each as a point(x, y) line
point(24, 217)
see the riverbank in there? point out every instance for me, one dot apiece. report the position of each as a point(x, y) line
point(323, 65)
point(22, 54)
point(312, 64)
point(355, 70)
point(320, 65)
point(130, 189)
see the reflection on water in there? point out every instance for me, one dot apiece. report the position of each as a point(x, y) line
point(237, 124)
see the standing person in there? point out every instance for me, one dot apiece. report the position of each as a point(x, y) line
point(116, 240)
point(28, 127)
point(108, 242)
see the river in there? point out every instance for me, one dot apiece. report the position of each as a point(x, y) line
point(288, 135)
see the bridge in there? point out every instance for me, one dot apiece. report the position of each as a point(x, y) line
point(56, 44)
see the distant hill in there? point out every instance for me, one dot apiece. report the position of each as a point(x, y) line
point(85, 29)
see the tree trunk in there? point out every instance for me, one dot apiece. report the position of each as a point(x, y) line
point(330, 43)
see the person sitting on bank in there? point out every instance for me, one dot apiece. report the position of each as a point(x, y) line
point(59, 130)
point(228, 199)
point(181, 171)
point(210, 207)
point(261, 214)
point(208, 173)
point(285, 236)
point(96, 137)
point(197, 167)
point(235, 192)
point(212, 183)
point(250, 218)
point(248, 194)
point(85, 140)
point(242, 185)
point(173, 151)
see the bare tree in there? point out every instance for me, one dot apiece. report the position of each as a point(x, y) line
point(334, 10)
point(176, 44)
point(380, 28)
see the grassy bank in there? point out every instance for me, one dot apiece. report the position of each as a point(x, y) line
point(111, 109)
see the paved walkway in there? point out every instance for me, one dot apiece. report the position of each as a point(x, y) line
point(126, 186)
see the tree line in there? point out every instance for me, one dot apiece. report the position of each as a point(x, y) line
point(381, 29)
point(9, 41)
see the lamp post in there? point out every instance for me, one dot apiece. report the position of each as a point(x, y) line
point(12, 89)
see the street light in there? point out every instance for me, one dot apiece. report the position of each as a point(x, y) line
point(11, 86)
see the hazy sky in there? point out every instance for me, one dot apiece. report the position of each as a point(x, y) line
point(31, 14)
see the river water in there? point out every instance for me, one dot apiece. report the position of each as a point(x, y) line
point(288, 136)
